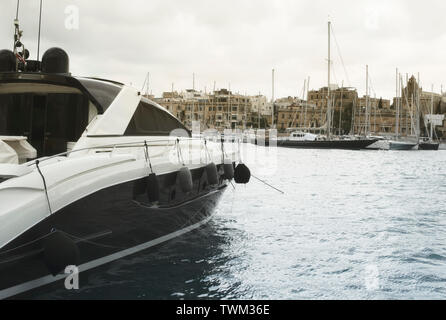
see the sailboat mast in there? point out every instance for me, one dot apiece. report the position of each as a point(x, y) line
point(431, 138)
point(258, 112)
point(418, 109)
point(375, 106)
point(193, 101)
point(397, 107)
point(302, 108)
point(367, 101)
point(306, 103)
point(171, 100)
point(328, 84)
point(272, 94)
point(340, 111)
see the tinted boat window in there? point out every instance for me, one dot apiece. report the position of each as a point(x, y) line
point(15, 114)
point(149, 120)
point(104, 92)
point(49, 121)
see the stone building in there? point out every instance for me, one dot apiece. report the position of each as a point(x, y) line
point(377, 118)
point(220, 110)
point(342, 100)
point(261, 111)
point(294, 114)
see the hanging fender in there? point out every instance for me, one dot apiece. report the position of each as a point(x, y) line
point(153, 189)
point(212, 174)
point(185, 180)
point(60, 251)
point(242, 174)
point(139, 187)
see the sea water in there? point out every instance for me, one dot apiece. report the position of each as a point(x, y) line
point(350, 225)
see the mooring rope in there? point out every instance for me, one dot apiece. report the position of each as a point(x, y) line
point(146, 151)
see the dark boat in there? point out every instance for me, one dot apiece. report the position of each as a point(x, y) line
point(308, 141)
point(428, 146)
point(327, 144)
point(305, 140)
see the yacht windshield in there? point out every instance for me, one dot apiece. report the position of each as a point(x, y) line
point(104, 92)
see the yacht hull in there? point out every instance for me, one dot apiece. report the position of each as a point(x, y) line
point(429, 146)
point(379, 145)
point(105, 226)
point(331, 144)
point(393, 145)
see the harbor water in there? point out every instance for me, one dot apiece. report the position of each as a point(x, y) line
point(350, 225)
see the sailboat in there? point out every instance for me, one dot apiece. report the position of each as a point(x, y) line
point(328, 142)
point(429, 144)
point(398, 143)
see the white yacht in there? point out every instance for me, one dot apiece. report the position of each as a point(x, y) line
point(382, 143)
point(91, 171)
point(391, 144)
point(401, 145)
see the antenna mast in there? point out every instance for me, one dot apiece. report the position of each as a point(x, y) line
point(17, 36)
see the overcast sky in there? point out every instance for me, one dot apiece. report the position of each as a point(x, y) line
point(240, 41)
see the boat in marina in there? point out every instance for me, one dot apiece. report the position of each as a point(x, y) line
point(428, 145)
point(91, 171)
point(401, 145)
point(392, 144)
point(382, 143)
point(310, 141)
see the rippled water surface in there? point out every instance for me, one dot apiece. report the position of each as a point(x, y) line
point(351, 225)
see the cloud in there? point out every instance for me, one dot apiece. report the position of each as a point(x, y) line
point(239, 42)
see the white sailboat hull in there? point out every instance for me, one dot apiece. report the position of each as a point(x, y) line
point(401, 145)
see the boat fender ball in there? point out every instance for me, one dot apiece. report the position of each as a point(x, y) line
point(153, 189)
point(7, 61)
point(212, 174)
point(242, 175)
point(229, 171)
point(59, 251)
point(185, 180)
point(139, 187)
point(55, 60)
